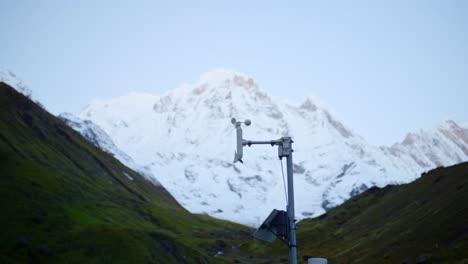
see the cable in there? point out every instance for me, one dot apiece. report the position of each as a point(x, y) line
point(284, 181)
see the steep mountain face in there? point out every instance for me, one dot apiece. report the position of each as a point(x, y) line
point(63, 200)
point(100, 139)
point(186, 138)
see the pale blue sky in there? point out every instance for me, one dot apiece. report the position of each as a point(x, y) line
point(385, 67)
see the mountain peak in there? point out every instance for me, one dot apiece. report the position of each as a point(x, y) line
point(449, 124)
point(309, 105)
point(221, 76)
point(410, 139)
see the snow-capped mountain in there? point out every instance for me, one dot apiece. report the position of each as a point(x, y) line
point(100, 139)
point(186, 139)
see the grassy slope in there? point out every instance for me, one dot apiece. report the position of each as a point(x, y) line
point(422, 222)
point(63, 200)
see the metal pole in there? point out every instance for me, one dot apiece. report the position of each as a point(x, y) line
point(290, 209)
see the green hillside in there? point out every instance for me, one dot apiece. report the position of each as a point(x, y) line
point(425, 221)
point(64, 200)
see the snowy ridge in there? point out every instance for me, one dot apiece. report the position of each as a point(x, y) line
point(11, 79)
point(186, 139)
point(100, 139)
point(444, 145)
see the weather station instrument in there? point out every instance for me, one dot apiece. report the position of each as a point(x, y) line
point(279, 224)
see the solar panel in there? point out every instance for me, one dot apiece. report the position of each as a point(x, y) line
point(275, 225)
